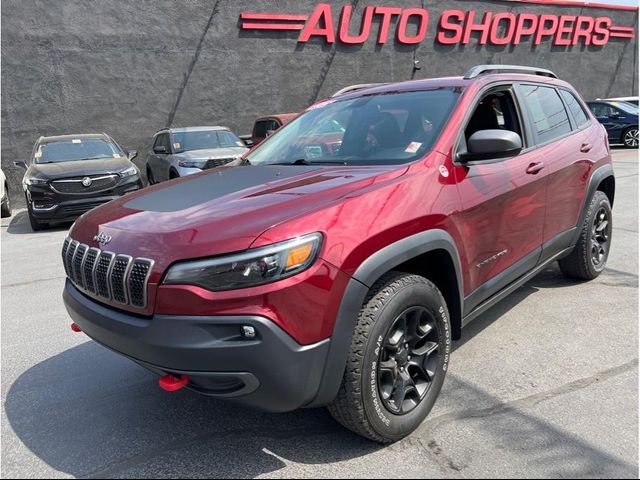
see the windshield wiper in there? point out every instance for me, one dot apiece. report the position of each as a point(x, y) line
point(304, 161)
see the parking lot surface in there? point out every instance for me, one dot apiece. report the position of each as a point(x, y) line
point(545, 384)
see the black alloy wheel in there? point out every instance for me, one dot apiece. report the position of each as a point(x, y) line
point(600, 235)
point(408, 360)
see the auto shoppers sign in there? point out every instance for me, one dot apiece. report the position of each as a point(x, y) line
point(453, 26)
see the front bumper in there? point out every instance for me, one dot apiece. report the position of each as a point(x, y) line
point(47, 204)
point(271, 372)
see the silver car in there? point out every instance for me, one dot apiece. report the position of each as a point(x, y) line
point(177, 152)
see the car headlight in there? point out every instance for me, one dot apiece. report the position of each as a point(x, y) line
point(35, 181)
point(129, 172)
point(253, 267)
point(191, 163)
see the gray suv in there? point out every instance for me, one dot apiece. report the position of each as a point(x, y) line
point(177, 152)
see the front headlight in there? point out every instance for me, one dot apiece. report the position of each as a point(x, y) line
point(253, 267)
point(35, 181)
point(192, 163)
point(129, 172)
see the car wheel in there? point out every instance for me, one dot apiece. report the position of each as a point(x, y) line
point(173, 174)
point(589, 257)
point(398, 359)
point(150, 178)
point(5, 209)
point(35, 224)
point(630, 137)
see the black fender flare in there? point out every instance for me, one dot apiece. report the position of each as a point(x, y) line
point(356, 291)
point(598, 175)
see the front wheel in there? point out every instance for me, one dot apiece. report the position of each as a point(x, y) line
point(35, 224)
point(398, 359)
point(630, 137)
point(5, 209)
point(150, 178)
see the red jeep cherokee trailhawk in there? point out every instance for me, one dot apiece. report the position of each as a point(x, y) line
point(337, 273)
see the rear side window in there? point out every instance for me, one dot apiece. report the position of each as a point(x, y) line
point(575, 108)
point(550, 119)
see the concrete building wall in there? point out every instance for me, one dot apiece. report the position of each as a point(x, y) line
point(130, 68)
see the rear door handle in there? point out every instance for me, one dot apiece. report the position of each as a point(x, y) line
point(586, 147)
point(534, 168)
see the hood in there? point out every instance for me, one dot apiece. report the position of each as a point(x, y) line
point(219, 211)
point(211, 153)
point(78, 168)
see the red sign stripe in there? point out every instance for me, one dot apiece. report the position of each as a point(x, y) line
point(272, 26)
point(579, 3)
point(621, 35)
point(273, 16)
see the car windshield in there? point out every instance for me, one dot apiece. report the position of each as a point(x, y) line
point(376, 129)
point(204, 139)
point(626, 107)
point(76, 149)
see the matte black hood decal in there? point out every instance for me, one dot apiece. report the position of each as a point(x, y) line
point(212, 185)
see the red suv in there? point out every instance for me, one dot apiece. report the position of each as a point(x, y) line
point(339, 274)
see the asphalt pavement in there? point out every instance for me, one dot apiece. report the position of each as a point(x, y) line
point(545, 384)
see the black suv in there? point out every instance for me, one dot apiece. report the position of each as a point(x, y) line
point(69, 175)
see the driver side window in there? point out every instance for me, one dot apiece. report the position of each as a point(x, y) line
point(496, 111)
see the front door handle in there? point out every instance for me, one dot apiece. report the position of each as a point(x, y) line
point(586, 147)
point(534, 168)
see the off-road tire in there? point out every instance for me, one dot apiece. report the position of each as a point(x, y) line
point(359, 405)
point(579, 264)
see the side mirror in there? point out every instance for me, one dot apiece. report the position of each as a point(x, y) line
point(491, 145)
point(246, 139)
point(131, 154)
point(160, 149)
point(21, 165)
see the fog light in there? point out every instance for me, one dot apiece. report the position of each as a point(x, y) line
point(248, 331)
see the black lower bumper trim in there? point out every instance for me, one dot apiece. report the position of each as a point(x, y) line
point(271, 372)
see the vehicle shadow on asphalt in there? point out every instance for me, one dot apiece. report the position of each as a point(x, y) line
point(89, 412)
point(19, 225)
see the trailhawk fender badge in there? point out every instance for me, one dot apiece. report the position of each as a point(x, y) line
point(102, 238)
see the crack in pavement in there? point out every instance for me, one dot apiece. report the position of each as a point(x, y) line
point(526, 402)
point(38, 280)
point(269, 432)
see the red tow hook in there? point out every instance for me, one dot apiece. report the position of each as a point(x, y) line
point(75, 328)
point(172, 383)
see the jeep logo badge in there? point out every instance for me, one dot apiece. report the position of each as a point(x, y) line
point(86, 181)
point(102, 238)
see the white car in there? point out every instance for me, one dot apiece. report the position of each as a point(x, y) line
point(4, 195)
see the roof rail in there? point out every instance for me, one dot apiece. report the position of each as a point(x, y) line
point(478, 70)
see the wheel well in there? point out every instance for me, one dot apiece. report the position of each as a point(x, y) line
point(173, 173)
point(608, 186)
point(438, 267)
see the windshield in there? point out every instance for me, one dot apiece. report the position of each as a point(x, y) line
point(626, 107)
point(380, 129)
point(204, 139)
point(76, 149)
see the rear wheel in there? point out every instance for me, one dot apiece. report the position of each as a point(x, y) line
point(398, 359)
point(589, 257)
point(630, 137)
